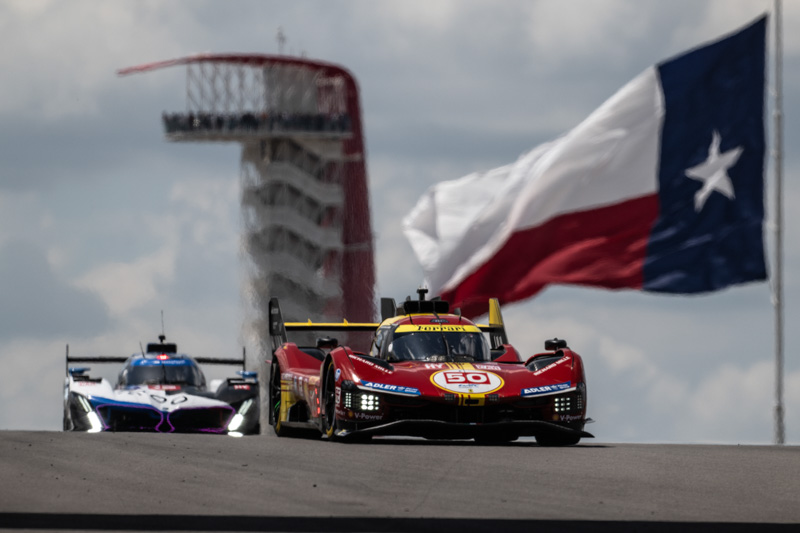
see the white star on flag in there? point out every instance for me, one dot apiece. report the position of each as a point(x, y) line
point(713, 172)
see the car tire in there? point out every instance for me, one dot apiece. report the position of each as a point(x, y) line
point(329, 425)
point(275, 399)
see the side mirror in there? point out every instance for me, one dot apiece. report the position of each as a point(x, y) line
point(555, 344)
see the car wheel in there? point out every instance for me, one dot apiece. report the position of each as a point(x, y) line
point(275, 400)
point(551, 439)
point(329, 398)
point(329, 421)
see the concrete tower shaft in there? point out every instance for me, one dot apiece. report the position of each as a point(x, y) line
point(304, 191)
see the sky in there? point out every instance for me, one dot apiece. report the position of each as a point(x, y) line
point(104, 224)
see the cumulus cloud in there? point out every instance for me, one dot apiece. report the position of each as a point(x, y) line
point(580, 31)
point(207, 268)
point(21, 217)
point(69, 72)
point(36, 303)
point(208, 210)
point(127, 286)
point(31, 391)
point(195, 236)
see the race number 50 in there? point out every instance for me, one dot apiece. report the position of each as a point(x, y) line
point(467, 381)
point(478, 378)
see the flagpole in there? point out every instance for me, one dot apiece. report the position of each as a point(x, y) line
point(777, 285)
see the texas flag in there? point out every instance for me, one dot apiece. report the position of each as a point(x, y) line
point(659, 189)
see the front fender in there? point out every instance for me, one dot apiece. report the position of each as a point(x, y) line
point(340, 357)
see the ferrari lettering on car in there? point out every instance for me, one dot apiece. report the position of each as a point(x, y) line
point(439, 328)
point(426, 372)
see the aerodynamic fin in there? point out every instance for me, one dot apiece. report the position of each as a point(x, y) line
point(496, 327)
point(277, 329)
point(388, 308)
point(91, 359)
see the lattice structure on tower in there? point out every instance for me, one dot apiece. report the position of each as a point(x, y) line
point(303, 177)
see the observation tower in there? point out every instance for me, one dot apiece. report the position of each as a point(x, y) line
point(304, 191)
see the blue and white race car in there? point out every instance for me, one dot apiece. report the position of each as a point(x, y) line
point(162, 391)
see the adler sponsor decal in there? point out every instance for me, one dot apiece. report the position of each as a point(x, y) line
point(551, 366)
point(467, 381)
point(545, 389)
point(396, 389)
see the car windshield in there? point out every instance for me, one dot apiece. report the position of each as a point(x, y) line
point(438, 346)
point(156, 373)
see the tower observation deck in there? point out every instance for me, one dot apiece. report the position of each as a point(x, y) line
point(304, 191)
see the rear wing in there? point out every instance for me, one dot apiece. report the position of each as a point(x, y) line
point(278, 328)
point(119, 359)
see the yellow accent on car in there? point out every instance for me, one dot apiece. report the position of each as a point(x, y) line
point(287, 399)
point(495, 317)
point(324, 325)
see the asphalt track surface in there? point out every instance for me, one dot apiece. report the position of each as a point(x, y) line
point(53, 481)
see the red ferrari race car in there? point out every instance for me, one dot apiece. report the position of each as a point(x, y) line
point(428, 373)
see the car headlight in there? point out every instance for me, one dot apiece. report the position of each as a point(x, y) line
point(361, 401)
point(245, 406)
point(238, 419)
point(369, 402)
point(236, 422)
point(83, 403)
point(563, 403)
point(96, 425)
point(94, 421)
